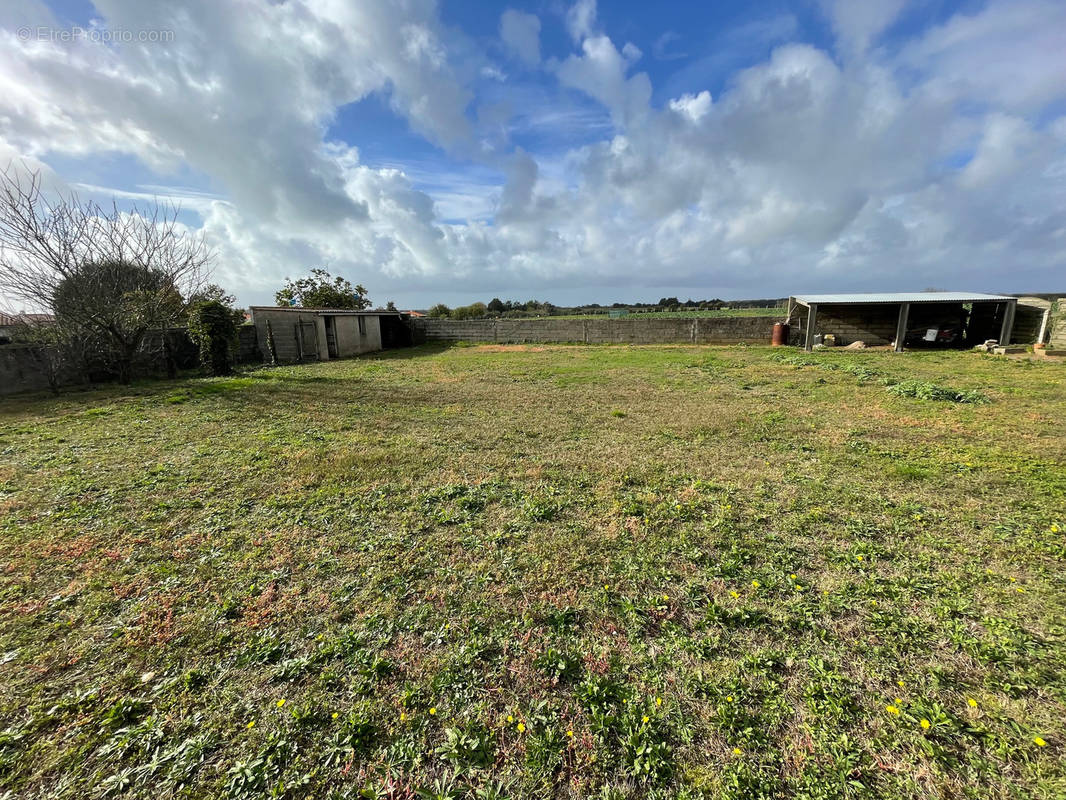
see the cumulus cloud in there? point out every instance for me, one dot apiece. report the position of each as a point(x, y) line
point(940, 160)
point(521, 33)
point(600, 72)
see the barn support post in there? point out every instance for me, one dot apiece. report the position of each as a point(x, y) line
point(1008, 322)
point(901, 325)
point(812, 317)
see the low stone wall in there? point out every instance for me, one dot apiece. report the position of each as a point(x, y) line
point(705, 330)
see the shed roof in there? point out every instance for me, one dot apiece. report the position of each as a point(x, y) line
point(900, 297)
point(331, 311)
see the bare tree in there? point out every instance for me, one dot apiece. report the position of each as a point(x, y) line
point(112, 274)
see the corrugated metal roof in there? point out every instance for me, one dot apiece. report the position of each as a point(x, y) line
point(331, 311)
point(900, 297)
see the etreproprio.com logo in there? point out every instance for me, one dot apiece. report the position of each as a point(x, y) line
point(75, 33)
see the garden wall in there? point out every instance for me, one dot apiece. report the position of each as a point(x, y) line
point(706, 330)
point(22, 370)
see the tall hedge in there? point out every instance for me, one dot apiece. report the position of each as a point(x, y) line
point(213, 327)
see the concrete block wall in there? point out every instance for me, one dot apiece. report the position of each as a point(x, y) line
point(283, 324)
point(248, 351)
point(1057, 322)
point(20, 370)
point(1028, 317)
point(719, 330)
point(872, 324)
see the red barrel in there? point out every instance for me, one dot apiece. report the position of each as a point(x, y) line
point(780, 334)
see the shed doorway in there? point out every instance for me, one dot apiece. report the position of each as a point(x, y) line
point(331, 337)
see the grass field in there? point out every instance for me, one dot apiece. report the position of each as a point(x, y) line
point(488, 572)
point(690, 314)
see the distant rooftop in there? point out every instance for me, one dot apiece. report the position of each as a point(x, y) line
point(900, 297)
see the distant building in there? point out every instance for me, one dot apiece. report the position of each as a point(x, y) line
point(11, 323)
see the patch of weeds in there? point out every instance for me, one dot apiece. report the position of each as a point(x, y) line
point(469, 745)
point(926, 390)
point(558, 665)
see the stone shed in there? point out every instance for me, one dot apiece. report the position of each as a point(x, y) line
point(288, 334)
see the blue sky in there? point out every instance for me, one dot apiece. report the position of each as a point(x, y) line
point(563, 150)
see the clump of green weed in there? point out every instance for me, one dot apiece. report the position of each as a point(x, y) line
point(926, 390)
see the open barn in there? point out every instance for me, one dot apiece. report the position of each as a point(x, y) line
point(923, 319)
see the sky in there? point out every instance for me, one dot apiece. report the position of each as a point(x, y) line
point(456, 151)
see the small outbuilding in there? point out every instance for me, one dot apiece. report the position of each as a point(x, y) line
point(932, 319)
point(288, 334)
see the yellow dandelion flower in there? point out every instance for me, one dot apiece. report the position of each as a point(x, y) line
point(891, 709)
point(736, 751)
point(859, 558)
point(666, 597)
point(281, 703)
point(433, 711)
point(645, 719)
point(658, 701)
point(900, 683)
point(251, 724)
point(971, 702)
point(606, 587)
point(799, 588)
point(521, 728)
point(1039, 742)
point(570, 734)
point(734, 595)
point(925, 724)
point(755, 584)
point(403, 716)
point(334, 715)
point(1013, 579)
point(899, 701)
point(793, 576)
point(729, 698)
point(510, 718)
point(1054, 528)
point(1019, 590)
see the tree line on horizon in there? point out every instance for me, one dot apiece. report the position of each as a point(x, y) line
point(510, 309)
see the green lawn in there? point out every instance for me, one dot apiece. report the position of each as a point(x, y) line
point(531, 572)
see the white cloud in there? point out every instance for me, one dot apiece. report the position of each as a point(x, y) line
point(580, 19)
point(858, 24)
point(693, 106)
point(600, 72)
point(521, 33)
point(938, 162)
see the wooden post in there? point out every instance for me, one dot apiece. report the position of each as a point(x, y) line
point(901, 326)
point(1008, 323)
point(812, 316)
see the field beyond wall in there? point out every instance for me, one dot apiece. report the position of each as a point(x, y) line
point(534, 572)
